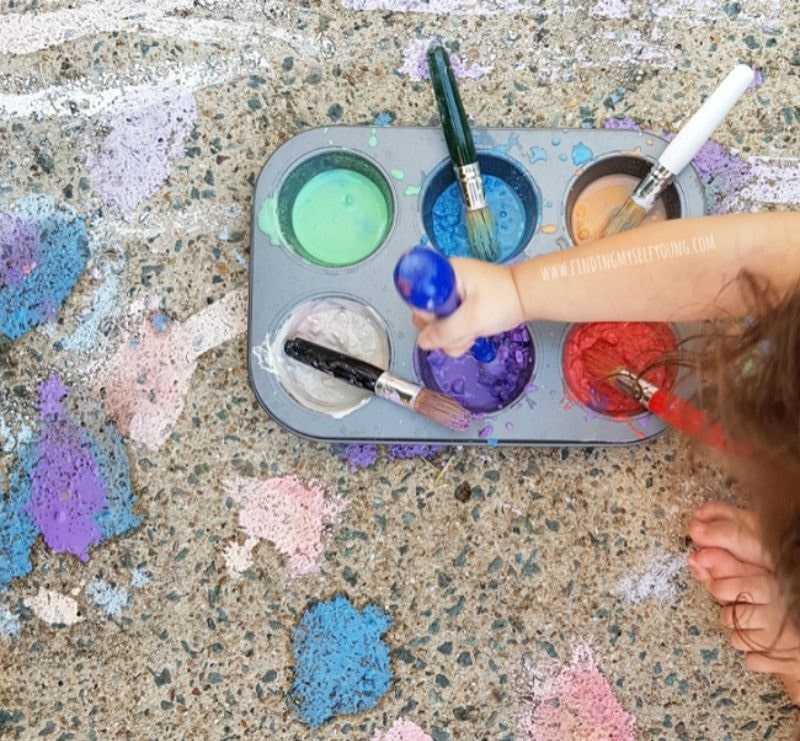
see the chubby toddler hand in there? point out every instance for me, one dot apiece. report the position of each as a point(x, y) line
point(489, 304)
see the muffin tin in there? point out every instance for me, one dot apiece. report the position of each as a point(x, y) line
point(408, 169)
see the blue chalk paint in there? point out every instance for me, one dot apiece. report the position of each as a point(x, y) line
point(17, 531)
point(450, 228)
point(160, 321)
point(341, 663)
point(581, 154)
point(562, 157)
point(43, 251)
point(9, 623)
point(383, 119)
point(537, 154)
point(140, 578)
point(110, 598)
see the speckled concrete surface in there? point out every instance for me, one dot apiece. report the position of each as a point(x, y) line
point(151, 120)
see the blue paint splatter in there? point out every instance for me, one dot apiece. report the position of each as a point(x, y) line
point(140, 578)
point(383, 119)
point(449, 225)
point(537, 154)
point(110, 598)
point(17, 531)
point(43, 251)
point(9, 623)
point(581, 154)
point(341, 663)
point(555, 141)
point(160, 321)
point(562, 157)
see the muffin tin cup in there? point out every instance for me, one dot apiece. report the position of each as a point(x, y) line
point(409, 160)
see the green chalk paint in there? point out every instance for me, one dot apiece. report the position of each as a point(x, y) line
point(268, 221)
point(339, 217)
point(412, 190)
point(397, 174)
point(373, 140)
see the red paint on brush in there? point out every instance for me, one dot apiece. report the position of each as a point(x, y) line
point(632, 345)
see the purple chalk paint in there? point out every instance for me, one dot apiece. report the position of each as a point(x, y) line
point(67, 491)
point(481, 387)
point(19, 249)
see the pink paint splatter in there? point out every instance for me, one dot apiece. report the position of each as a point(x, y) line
point(577, 703)
point(402, 730)
point(290, 513)
point(147, 379)
point(415, 63)
point(134, 158)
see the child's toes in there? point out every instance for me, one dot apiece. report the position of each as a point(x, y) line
point(716, 510)
point(721, 564)
point(746, 616)
point(748, 640)
point(750, 589)
point(734, 536)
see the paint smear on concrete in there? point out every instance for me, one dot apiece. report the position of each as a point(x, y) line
point(773, 180)
point(611, 9)
point(140, 578)
point(341, 662)
point(365, 455)
point(577, 703)
point(659, 579)
point(443, 7)
point(135, 157)
point(415, 63)
point(9, 623)
point(292, 514)
point(402, 730)
point(43, 251)
point(111, 93)
point(239, 557)
point(148, 377)
point(108, 597)
point(54, 608)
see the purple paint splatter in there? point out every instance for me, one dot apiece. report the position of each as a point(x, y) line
point(364, 455)
point(415, 62)
point(67, 490)
point(134, 159)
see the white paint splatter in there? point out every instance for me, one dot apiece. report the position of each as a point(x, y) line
point(611, 9)
point(444, 7)
point(239, 557)
point(54, 608)
point(9, 623)
point(110, 93)
point(415, 63)
point(658, 579)
point(774, 180)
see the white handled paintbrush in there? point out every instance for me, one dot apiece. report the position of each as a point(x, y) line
point(681, 150)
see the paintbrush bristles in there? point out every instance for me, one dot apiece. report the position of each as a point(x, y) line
point(442, 409)
point(600, 364)
point(481, 234)
point(629, 216)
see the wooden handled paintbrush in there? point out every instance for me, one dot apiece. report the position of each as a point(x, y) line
point(431, 404)
point(481, 234)
point(673, 410)
point(681, 150)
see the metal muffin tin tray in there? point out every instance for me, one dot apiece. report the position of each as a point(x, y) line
point(547, 168)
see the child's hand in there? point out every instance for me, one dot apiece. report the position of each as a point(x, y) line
point(489, 304)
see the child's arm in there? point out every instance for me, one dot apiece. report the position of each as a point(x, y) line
point(679, 270)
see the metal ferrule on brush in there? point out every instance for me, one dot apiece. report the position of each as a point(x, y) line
point(634, 386)
point(397, 390)
point(469, 179)
point(652, 186)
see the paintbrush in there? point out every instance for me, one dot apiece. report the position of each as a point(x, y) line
point(671, 409)
point(681, 150)
point(431, 404)
point(481, 234)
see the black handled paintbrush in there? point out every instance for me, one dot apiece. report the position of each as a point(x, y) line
point(431, 404)
point(481, 233)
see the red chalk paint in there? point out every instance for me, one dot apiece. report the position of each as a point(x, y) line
point(633, 345)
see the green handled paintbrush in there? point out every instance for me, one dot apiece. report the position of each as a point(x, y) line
point(481, 233)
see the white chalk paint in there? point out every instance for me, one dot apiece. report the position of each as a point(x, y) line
point(239, 558)
point(110, 93)
point(774, 180)
point(415, 62)
point(53, 608)
point(445, 7)
point(342, 324)
point(9, 623)
point(657, 580)
point(611, 9)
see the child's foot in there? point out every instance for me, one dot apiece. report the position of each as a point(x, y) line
point(733, 566)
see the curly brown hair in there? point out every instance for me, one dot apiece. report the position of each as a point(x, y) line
point(749, 382)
